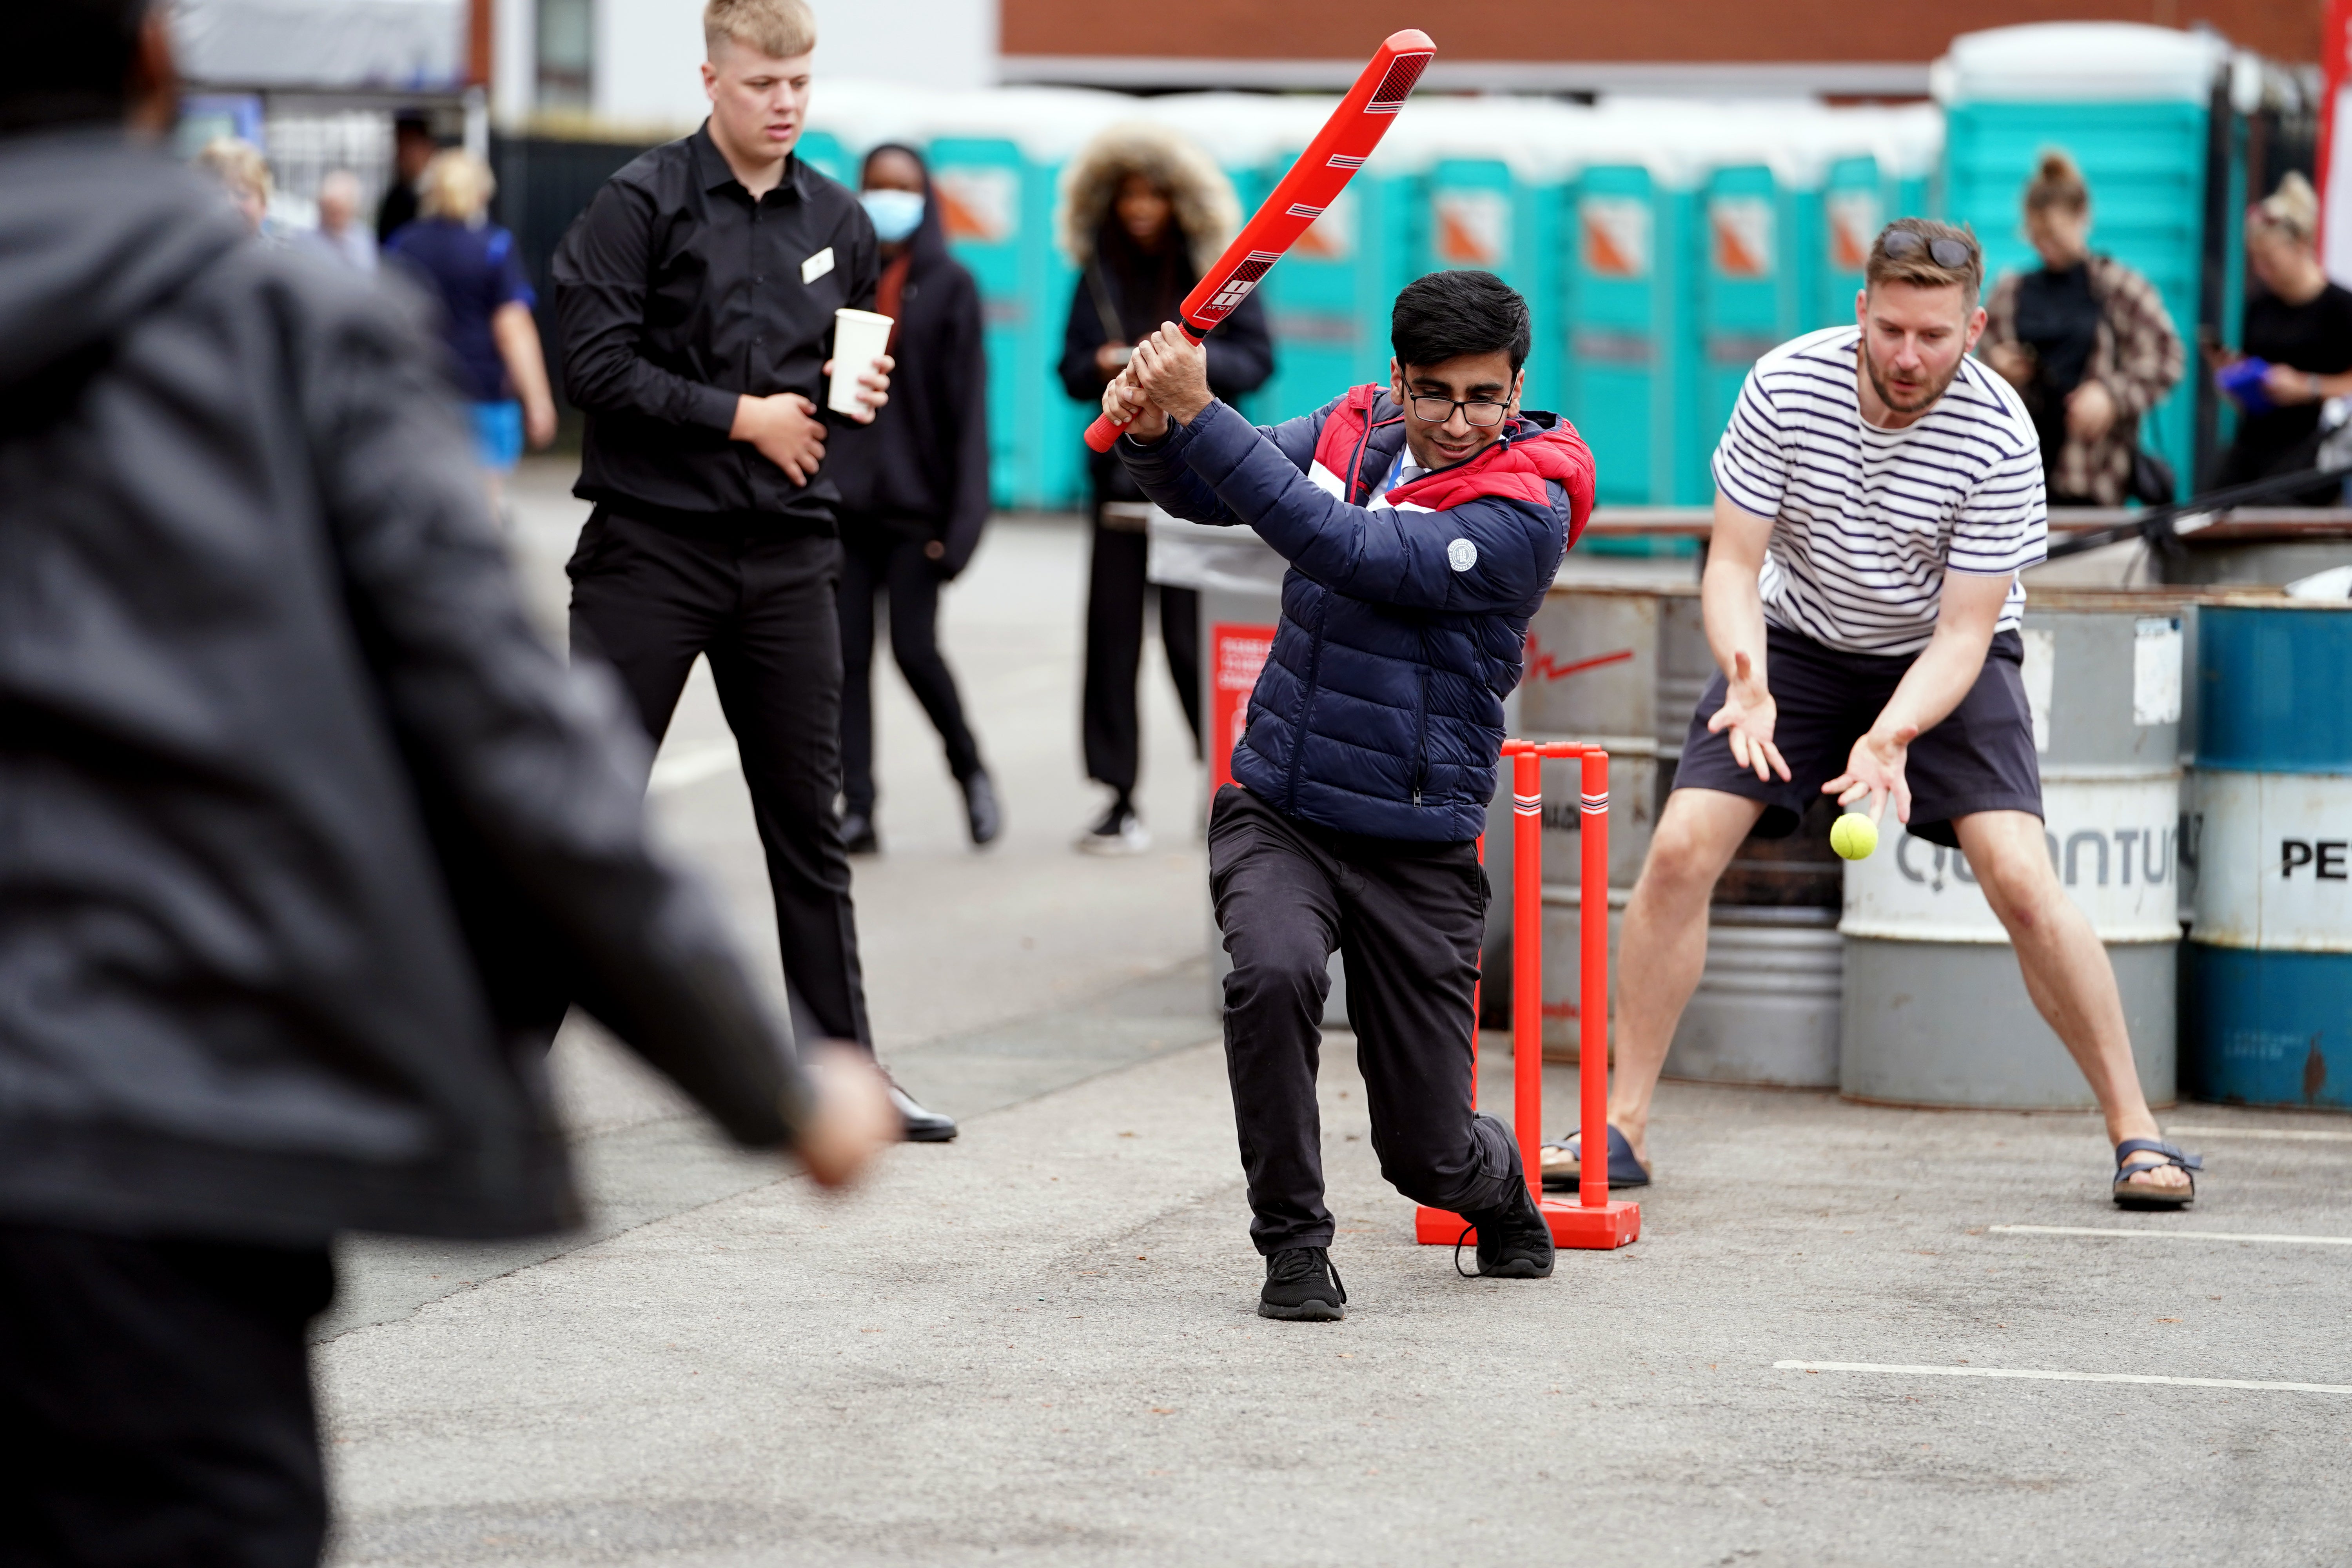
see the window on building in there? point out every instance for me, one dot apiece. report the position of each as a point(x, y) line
point(567, 54)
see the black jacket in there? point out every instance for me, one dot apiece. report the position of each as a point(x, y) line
point(674, 294)
point(924, 460)
point(1240, 357)
point(305, 836)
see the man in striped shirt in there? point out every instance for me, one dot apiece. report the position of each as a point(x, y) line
point(1877, 493)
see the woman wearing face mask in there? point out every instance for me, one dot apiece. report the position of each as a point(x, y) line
point(1143, 212)
point(2087, 341)
point(914, 491)
point(2301, 326)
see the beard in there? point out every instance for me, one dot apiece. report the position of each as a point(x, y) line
point(1917, 398)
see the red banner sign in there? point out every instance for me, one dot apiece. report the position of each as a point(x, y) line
point(1236, 655)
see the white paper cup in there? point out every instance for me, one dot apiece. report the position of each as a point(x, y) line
point(859, 338)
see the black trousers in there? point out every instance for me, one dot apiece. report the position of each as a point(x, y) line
point(155, 1402)
point(647, 599)
point(1115, 590)
point(873, 562)
point(1408, 920)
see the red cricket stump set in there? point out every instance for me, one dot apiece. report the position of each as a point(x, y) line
point(1594, 1221)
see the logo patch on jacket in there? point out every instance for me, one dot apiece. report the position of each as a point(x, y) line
point(1462, 555)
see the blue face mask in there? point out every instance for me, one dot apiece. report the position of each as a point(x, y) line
point(896, 214)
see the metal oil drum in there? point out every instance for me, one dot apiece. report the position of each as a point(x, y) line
point(1935, 1011)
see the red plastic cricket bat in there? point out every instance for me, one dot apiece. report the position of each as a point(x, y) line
point(1322, 171)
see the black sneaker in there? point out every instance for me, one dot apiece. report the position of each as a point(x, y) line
point(1514, 1241)
point(1302, 1286)
point(857, 834)
point(982, 814)
point(1118, 831)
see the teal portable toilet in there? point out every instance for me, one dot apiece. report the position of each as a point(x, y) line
point(1630, 348)
point(822, 150)
point(1747, 291)
point(2131, 105)
point(1842, 225)
point(1478, 213)
point(1328, 304)
point(981, 185)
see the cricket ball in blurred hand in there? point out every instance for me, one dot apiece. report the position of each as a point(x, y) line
point(1854, 835)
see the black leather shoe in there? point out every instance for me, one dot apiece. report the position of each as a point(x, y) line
point(1301, 1286)
point(922, 1126)
point(857, 834)
point(1514, 1241)
point(980, 810)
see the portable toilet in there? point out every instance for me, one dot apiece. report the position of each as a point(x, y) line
point(1627, 325)
point(2131, 104)
point(1479, 212)
point(1842, 225)
point(990, 209)
point(822, 150)
point(1746, 299)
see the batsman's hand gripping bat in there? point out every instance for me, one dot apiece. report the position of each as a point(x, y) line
point(1322, 171)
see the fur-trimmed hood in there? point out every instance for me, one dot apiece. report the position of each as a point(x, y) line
point(1207, 208)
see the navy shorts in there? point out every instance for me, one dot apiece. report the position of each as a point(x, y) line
point(1980, 758)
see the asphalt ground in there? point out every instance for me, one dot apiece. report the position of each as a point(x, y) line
point(1038, 1344)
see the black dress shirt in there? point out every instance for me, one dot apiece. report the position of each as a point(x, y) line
point(676, 292)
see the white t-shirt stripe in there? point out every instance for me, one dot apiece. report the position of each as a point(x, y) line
point(1867, 522)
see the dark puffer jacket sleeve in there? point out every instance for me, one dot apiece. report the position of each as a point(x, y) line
point(1380, 556)
point(538, 761)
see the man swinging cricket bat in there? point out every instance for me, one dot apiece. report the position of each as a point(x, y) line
point(1423, 521)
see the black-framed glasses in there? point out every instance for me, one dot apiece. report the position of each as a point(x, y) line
point(1482, 412)
point(1942, 251)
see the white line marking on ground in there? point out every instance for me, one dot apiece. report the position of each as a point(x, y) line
point(2175, 1234)
point(2061, 1376)
point(691, 767)
point(2279, 1134)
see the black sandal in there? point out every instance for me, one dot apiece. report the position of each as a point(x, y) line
point(2146, 1197)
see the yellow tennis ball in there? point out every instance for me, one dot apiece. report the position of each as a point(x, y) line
point(1854, 835)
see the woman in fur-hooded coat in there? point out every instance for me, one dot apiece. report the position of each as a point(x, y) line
point(1143, 212)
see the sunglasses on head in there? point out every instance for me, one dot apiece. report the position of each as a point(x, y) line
point(1944, 252)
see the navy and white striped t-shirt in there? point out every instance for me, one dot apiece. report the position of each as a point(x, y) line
point(1867, 522)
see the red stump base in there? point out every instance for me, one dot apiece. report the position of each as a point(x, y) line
point(1614, 1225)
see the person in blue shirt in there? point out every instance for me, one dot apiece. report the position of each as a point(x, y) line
point(468, 264)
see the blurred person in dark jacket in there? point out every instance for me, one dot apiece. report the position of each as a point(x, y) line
point(306, 840)
point(914, 491)
point(1144, 212)
point(2298, 324)
point(413, 147)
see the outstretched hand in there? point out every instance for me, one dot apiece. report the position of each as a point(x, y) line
point(1747, 716)
point(1874, 772)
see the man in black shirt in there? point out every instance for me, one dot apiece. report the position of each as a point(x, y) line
point(695, 300)
point(412, 148)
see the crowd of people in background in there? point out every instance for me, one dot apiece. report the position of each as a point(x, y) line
point(2084, 338)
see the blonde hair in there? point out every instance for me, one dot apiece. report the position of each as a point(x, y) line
point(2293, 210)
point(780, 29)
point(2057, 183)
point(238, 164)
point(456, 185)
point(1918, 268)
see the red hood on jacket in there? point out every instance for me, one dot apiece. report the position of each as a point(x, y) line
point(1517, 466)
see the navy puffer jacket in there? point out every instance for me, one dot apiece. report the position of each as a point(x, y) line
point(1403, 627)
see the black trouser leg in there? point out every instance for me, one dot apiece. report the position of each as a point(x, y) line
point(914, 585)
point(1411, 923)
point(647, 601)
point(1114, 650)
point(1179, 634)
point(156, 1397)
point(778, 668)
point(861, 571)
point(1279, 911)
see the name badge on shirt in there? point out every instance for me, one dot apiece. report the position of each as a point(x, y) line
point(817, 266)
